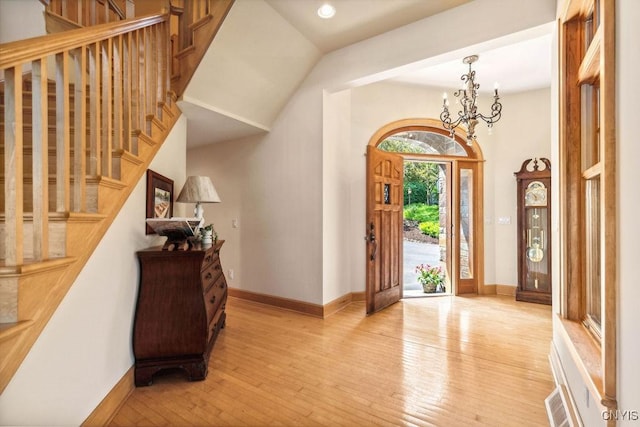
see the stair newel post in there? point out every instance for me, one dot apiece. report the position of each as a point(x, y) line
point(40, 158)
point(79, 129)
point(62, 132)
point(13, 167)
point(95, 109)
point(107, 107)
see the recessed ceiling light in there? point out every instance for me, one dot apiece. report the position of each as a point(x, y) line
point(326, 11)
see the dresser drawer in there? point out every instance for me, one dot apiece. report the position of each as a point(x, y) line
point(209, 258)
point(210, 275)
point(216, 323)
point(215, 296)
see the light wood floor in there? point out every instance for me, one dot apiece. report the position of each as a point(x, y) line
point(443, 361)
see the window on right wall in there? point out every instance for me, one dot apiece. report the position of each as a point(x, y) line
point(588, 188)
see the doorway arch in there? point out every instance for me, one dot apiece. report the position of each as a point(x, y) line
point(466, 195)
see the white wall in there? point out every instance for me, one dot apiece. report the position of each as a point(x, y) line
point(250, 74)
point(275, 183)
point(21, 19)
point(337, 256)
point(627, 65)
point(281, 177)
point(512, 141)
point(524, 132)
point(86, 347)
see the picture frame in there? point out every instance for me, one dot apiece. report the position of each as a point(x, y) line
point(159, 197)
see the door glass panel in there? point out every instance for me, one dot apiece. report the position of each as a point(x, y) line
point(592, 221)
point(466, 224)
point(422, 142)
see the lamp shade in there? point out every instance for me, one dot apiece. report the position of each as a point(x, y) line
point(198, 189)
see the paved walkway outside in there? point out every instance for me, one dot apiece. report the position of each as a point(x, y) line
point(416, 253)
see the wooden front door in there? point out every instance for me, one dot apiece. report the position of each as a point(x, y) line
point(384, 228)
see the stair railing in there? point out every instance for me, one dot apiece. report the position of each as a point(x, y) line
point(105, 81)
point(194, 24)
point(90, 12)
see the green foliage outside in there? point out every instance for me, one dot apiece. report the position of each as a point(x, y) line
point(421, 212)
point(428, 217)
point(430, 228)
point(421, 196)
point(422, 179)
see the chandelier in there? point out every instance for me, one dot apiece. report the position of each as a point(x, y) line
point(469, 116)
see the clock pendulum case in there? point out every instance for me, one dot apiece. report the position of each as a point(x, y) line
point(534, 225)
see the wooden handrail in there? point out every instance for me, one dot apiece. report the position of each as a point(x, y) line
point(105, 82)
point(15, 53)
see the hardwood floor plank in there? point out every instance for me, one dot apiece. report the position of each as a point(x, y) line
point(423, 362)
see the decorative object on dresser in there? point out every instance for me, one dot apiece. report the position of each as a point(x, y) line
point(180, 232)
point(180, 311)
point(159, 197)
point(534, 237)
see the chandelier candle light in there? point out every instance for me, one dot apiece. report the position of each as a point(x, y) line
point(469, 116)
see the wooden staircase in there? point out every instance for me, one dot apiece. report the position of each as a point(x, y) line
point(83, 112)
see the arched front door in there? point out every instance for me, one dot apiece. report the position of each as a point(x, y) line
point(462, 230)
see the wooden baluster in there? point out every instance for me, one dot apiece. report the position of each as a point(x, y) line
point(79, 130)
point(95, 125)
point(107, 103)
point(185, 21)
point(13, 167)
point(151, 61)
point(117, 93)
point(106, 12)
point(64, 9)
point(40, 159)
point(130, 8)
point(168, 59)
point(62, 132)
point(142, 72)
point(56, 7)
point(89, 12)
point(163, 55)
point(126, 102)
point(134, 71)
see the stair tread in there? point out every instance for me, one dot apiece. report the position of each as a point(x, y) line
point(30, 266)
point(63, 216)
point(8, 330)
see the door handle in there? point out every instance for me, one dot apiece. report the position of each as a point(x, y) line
point(372, 238)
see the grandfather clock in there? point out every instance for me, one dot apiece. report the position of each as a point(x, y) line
point(534, 226)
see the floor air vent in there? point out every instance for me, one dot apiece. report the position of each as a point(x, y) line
point(558, 408)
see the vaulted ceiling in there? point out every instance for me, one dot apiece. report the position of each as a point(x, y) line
point(266, 48)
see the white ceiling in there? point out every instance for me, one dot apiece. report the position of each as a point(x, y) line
point(518, 67)
point(355, 20)
point(520, 63)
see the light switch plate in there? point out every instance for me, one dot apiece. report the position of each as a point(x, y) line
point(504, 220)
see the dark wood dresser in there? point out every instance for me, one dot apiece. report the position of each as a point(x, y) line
point(180, 311)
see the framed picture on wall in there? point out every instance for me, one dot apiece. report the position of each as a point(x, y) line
point(159, 197)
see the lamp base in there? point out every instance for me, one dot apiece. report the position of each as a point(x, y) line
point(199, 211)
